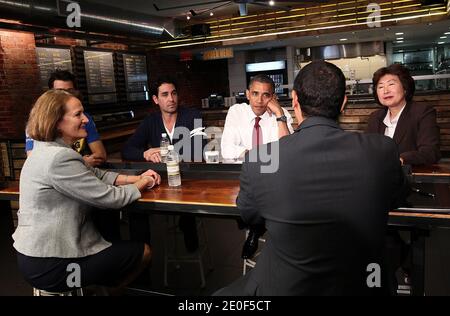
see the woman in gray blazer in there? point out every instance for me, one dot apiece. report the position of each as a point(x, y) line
point(58, 246)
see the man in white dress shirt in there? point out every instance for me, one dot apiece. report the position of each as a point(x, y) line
point(247, 126)
point(275, 121)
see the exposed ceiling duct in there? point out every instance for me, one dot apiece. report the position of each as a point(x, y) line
point(350, 50)
point(94, 18)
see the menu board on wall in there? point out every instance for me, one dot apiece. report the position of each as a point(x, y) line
point(136, 82)
point(101, 83)
point(51, 59)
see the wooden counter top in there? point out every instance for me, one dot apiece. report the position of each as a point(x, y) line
point(195, 192)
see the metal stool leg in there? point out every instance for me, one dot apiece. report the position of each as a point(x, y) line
point(166, 250)
point(75, 292)
point(202, 273)
point(172, 254)
point(251, 263)
point(206, 245)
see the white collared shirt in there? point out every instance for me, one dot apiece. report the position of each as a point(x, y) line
point(391, 124)
point(238, 130)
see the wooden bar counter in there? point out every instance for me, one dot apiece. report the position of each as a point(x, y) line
point(211, 190)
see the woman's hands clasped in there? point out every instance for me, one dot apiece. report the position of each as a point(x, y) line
point(152, 177)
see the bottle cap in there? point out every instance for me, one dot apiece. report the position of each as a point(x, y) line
point(170, 147)
point(163, 134)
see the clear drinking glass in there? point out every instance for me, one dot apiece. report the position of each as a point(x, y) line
point(212, 156)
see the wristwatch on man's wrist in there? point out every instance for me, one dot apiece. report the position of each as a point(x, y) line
point(282, 118)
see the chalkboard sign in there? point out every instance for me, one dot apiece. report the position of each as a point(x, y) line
point(136, 82)
point(101, 84)
point(51, 59)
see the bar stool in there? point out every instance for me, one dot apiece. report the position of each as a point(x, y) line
point(251, 263)
point(175, 252)
point(74, 292)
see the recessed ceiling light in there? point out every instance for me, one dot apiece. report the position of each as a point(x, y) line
point(342, 39)
point(443, 37)
point(439, 43)
point(399, 33)
point(447, 33)
point(398, 42)
point(211, 13)
point(271, 2)
point(399, 38)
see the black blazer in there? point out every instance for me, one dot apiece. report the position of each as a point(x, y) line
point(148, 134)
point(325, 209)
point(417, 133)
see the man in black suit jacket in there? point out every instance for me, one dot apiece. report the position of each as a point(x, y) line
point(326, 207)
point(144, 145)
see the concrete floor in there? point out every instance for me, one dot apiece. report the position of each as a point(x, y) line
point(225, 243)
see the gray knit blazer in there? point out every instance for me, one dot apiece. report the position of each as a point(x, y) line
point(57, 191)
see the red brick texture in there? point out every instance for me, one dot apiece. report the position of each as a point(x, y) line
point(19, 81)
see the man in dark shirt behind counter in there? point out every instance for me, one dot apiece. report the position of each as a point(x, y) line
point(144, 144)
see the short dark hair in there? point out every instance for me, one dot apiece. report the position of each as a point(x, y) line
point(262, 79)
point(161, 80)
point(320, 87)
point(62, 75)
point(402, 73)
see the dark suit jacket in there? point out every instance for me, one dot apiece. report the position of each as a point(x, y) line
point(325, 210)
point(148, 134)
point(417, 134)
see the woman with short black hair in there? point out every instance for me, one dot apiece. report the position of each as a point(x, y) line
point(411, 125)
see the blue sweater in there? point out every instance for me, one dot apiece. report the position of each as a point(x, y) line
point(148, 134)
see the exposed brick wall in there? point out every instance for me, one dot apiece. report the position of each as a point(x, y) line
point(196, 79)
point(115, 46)
point(65, 41)
point(19, 77)
point(19, 81)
